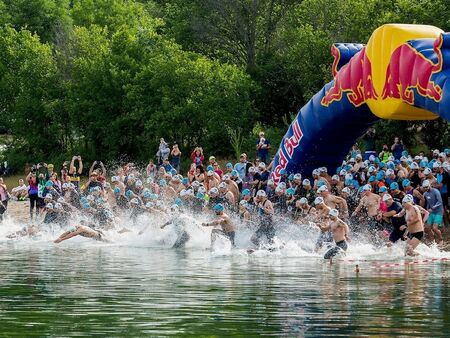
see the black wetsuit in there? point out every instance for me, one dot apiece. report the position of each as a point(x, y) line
point(266, 227)
point(397, 222)
point(340, 246)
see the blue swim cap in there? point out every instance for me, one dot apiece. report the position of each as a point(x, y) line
point(338, 170)
point(153, 196)
point(210, 167)
point(406, 183)
point(178, 202)
point(348, 167)
point(320, 183)
point(185, 181)
point(218, 207)
point(246, 192)
point(381, 165)
point(423, 164)
point(234, 173)
point(291, 177)
point(128, 193)
point(391, 166)
point(49, 184)
point(405, 153)
point(117, 190)
point(283, 172)
point(86, 205)
point(382, 189)
point(200, 196)
point(394, 186)
point(229, 165)
point(290, 191)
point(372, 179)
point(147, 194)
point(162, 182)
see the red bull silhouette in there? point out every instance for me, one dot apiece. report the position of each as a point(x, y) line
point(409, 69)
point(354, 79)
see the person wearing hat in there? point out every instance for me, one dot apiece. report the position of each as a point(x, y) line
point(262, 147)
point(370, 202)
point(211, 180)
point(262, 176)
point(334, 202)
point(227, 228)
point(435, 207)
point(340, 231)
point(303, 211)
point(415, 223)
point(398, 222)
point(265, 212)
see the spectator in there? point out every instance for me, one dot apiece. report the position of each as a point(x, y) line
point(151, 169)
point(163, 151)
point(176, 155)
point(385, 154)
point(4, 197)
point(262, 148)
point(74, 172)
point(369, 143)
point(20, 193)
point(397, 148)
point(197, 156)
point(33, 190)
point(241, 166)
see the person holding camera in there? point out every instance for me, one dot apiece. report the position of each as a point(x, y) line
point(262, 148)
point(369, 143)
point(197, 156)
point(75, 173)
point(397, 148)
point(163, 151)
point(176, 155)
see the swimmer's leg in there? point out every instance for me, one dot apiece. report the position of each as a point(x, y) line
point(411, 244)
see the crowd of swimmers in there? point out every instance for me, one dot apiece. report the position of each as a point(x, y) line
point(385, 199)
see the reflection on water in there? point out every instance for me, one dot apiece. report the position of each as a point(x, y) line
point(118, 291)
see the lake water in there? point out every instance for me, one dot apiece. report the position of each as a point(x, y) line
point(135, 288)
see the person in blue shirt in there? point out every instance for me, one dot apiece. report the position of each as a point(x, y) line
point(262, 148)
point(436, 209)
point(241, 166)
point(167, 166)
point(397, 148)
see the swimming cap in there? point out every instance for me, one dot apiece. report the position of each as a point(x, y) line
point(61, 200)
point(408, 199)
point(243, 202)
point(162, 182)
point(234, 173)
point(229, 165)
point(210, 173)
point(48, 196)
point(185, 181)
point(49, 206)
point(322, 189)
point(303, 200)
point(436, 165)
point(382, 189)
point(138, 183)
point(173, 171)
point(128, 193)
point(318, 200)
point(149, 180)
point(426, 184)
point(178, 201)
point(147, 194)
point(427, 171)
point(367, 187)
point(213, 190)
point(261, 193)
point(387, 197)
point(290, 191)
point(282, 185)
point(343, 172)
point(394, 186)
point(114, 179)
point(117, 190)
point(200, 196)
point(414, 166)
point(406, 183)
point(218, 207)
point(251, 169)
point(335, 178)
point(49, 184)
point(246, 192)
point(134, 201)
point(298, 177)
point(226, 177)
point(306, 182)
point(202, 190)
point(58, 206)
point(222, 185)
point(333, 213)
point(291, 177)
point(210, 168)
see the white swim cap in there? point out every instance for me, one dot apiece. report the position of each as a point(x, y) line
point(408, 199)
point(333, 212)
point(335, 178)
point(213, 190)
point(261, 193)
point(210, 173)
point(318, 200)
point(322, 189)
point(427, 171)
point(306, 182)
point(270, 182)
point(426, 184)
point(134, 201)
point(414, 165)
point(61, 200)
point(195, 184)
point(436, 165)
point(343, 172)
point(58, 206)
point(298, 177)
point(367, 187)
point(49, 206)
point(346, 190)
point(222, 185)
point(48, 196)
point(387, 197)
point(303, 200)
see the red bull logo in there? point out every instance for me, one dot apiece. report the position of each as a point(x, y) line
point(354, 79)
point(288, 146)
point(409, 69)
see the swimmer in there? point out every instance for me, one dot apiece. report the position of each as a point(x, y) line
point(415, 225)
point(323, 212)
point(340, 232)
point(266, 226)
point(183, 235)
point(81, 230)
point(228, 228)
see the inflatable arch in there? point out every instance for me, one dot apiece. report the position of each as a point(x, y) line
point(400, 74)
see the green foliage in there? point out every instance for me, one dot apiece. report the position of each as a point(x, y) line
point(107, 78)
